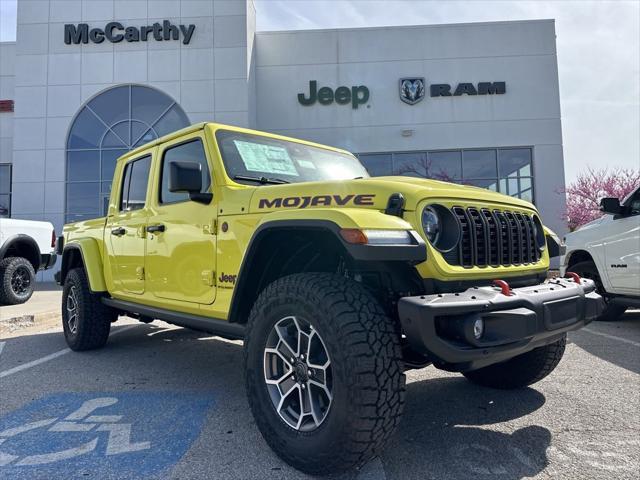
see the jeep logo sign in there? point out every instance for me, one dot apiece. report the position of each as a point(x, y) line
point(115, 32)
point(356, 95)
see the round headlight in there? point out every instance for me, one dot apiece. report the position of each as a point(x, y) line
point(538, 232)
point(441, 227)
point(431, 224)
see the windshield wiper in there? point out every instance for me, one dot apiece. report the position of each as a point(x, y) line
point(262, 180)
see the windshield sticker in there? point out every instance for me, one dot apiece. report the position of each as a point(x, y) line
point(306, 164)
point(265, 158)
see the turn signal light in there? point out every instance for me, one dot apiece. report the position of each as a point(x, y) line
point(353, 235)
point(377, 237)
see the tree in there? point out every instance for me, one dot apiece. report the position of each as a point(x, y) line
point(585, 192)
point(423, 168)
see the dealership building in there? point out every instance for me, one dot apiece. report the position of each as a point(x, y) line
point(87, 80)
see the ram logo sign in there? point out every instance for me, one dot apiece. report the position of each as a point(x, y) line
point(412, 90)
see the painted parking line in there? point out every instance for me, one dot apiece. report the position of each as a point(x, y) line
point(52, 356)
point(612, 337)
point(116, 435)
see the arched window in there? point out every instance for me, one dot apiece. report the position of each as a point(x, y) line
point(110, 124)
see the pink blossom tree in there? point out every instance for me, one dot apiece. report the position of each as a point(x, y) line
point(585, 192)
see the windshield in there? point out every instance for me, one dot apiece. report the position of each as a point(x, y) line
point(252, 159)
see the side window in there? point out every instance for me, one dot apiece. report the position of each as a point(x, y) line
point(186, 152)
point(134, 184)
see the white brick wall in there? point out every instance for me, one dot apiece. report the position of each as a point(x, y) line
point(7, 92)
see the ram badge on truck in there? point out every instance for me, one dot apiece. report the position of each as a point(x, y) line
point(337, 282)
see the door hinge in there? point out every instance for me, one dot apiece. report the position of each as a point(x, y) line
point(212, 228)
point(140, 273)
point(208, 277)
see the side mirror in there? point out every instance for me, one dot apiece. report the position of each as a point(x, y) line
point(611, 205)
point(187, 177)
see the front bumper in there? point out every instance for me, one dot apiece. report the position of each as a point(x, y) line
point(441, 325)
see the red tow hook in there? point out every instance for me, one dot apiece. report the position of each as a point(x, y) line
point(504, 287)
point(575, 276)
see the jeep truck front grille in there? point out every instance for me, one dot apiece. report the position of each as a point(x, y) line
point(493, 238)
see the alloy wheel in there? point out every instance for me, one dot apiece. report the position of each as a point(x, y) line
point(20, 281)
point(297, 371)
point(72, 310)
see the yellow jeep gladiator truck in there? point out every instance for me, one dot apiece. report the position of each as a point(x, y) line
point(336, 282)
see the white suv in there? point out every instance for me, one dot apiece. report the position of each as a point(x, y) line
point(26, 246)
point(607, 250)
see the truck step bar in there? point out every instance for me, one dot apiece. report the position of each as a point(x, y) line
point(631, 302)
point(214, 326)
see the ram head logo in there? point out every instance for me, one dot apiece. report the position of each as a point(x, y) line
point(411, 90)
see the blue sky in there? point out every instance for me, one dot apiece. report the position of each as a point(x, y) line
point(598, 57)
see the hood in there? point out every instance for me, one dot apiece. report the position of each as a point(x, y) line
point(370, 193)
point(587, 227)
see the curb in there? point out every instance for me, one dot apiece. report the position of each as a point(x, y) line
point(18, 322)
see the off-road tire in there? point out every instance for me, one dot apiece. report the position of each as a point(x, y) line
point(9, 267)
point(93, 317)
point(368, 383)
point(611, 312)
point(520, 371)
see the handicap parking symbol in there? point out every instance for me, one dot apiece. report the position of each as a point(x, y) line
point(100, 435)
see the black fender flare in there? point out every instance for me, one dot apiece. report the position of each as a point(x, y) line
point(413, 254)
point(22, 238)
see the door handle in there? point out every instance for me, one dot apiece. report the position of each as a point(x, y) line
point(118, 232)
point(155, 228)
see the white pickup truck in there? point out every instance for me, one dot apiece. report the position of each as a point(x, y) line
point(607, 250)
point(25, 247)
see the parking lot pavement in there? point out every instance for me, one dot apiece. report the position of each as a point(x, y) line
point(163, 402)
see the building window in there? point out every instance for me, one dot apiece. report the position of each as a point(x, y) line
point(504, 170)
point(5, 190)
point(109, 125)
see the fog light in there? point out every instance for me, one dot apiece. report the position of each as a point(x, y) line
point(478, 328)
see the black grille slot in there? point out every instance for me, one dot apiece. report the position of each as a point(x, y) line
point(516, 238)
point(465, 247)
point(535, 253)
point(493, 238)
point(480, 231)
point(505, 235)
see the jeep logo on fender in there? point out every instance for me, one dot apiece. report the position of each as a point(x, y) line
point(318, 200)
point(224, 278)
point(357, 95)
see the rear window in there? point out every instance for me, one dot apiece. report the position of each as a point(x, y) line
point(134, 184)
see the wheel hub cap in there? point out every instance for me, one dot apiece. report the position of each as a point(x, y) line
point(301, 370)
point(297, 371)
